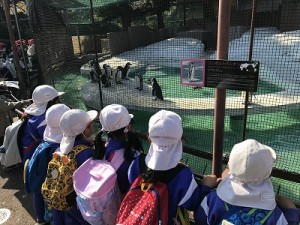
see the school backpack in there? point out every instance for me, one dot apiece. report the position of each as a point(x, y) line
point(146, 203)
point(234, 215)
point(57, 189)
point(9, 151)
point(98, 196)
point(35, 169)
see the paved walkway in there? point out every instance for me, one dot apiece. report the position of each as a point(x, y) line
point(12, 197)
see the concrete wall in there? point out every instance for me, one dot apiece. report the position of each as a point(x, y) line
point(290, 16)
point(85, 44)
point(138, 36)
point(119, 42)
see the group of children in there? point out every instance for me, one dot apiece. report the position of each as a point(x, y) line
point(243, 193)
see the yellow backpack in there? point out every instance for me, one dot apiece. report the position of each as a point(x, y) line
point(57, 189)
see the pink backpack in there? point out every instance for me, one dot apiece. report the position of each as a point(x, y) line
point(98, 196)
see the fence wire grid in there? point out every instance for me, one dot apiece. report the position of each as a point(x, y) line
point(154, 36)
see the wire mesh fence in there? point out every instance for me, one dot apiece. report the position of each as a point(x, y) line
point(137, 41)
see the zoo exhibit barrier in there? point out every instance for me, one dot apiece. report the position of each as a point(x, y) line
point(283, 174)
point(154, 38)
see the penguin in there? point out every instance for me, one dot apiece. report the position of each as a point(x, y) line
point(108, 71)
point(91, 63)
point(156, 90)
point(191, 74)
point(105, 80)
point(95, 72)
point(125, 71)
point(118, 75)
point(139, 81)
point(93, 76)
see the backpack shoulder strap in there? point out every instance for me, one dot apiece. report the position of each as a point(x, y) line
point(117, 158)
point(76, 150)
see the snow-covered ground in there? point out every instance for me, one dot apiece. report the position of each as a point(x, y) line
point(168, 52)
point(278, 54)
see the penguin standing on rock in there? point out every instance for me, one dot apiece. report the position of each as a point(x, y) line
point(118, 75)
point(125, 70)
point(105, 80)
point(139, 81)
point(156, 90)
point(108, 71)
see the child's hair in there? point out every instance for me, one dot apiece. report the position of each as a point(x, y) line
point(100, 142)
point(151, 176)
point(53, 102)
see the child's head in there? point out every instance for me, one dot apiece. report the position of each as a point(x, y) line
point(247, 184)
point(165, 132)
point(114, 117)
point(73, 123)
point(42, 96)
point(53, 115)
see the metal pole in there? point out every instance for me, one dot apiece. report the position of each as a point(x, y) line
point(96, 54)
point(22, 46)
point(220, 94)
point(22, 86)
point(250, 58)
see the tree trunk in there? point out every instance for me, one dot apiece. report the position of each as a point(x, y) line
point(126, 21)
point(160, 20)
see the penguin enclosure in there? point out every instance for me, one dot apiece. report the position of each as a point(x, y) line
point(105, 52)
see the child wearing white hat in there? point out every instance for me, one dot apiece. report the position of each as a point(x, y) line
point(77, 128)
point(114, 119)
point(43, 96)
point(53, 136)
point(246, 190)
point(164, 156)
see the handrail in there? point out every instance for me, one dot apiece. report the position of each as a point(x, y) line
point(279, 173)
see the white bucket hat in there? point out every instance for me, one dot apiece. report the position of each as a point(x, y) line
point(72, 123)
point(248, 183)
point(165, 132)
point(114, 117)
point(41, 96)
point(53, 132)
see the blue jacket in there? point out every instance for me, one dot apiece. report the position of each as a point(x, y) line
point(33, 130)
point(212, 209)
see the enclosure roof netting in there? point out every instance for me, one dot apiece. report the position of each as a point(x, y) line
point(77, 4)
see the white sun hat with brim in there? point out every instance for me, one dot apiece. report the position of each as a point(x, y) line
point(114, 117)
point(165, 132)
point(41, 96)
point(53, 131)
point(248, 182)
point(72, 123)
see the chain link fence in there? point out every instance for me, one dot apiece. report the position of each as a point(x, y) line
point(153, 37)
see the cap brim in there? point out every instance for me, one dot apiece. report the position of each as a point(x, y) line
point(67, 143)
point(61, 93)
point(53, 134)
point(131, 116)
point(164, 159)
point(36, 110)
point(255, 195)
